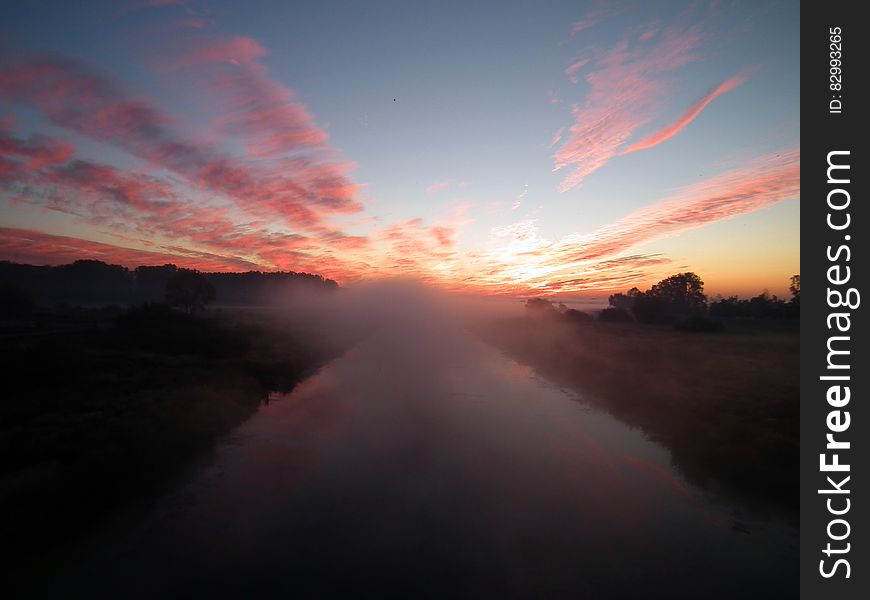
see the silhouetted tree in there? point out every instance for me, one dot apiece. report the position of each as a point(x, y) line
point(762, 306)
point(93, 283)
point(615, 315)
point(683, 293)
point(625, 301)
point(540, 307)
point(726, 307)
point(648, 308)
point(151, 282)
point(190, 290)
point(671, 298)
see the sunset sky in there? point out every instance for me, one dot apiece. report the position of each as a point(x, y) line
point(565, 148)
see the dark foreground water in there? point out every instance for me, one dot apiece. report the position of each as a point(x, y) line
point(424, 463)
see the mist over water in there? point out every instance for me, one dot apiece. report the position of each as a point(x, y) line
point(425, 463)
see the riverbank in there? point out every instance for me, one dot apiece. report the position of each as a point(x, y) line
point(101, 409)
point(725, 404)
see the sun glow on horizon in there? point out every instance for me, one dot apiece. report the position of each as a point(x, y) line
point(230, 150)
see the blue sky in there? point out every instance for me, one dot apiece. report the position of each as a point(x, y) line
point(453, 181)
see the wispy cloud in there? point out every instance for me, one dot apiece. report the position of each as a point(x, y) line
point(260, 186)
point(520, 259)
point(768, 180)
point(626, 87)
point(300, 191)
point(29, 246)
point(578, 26)
point(42, 171)
point(690, 115)
point(600, 11)
point(262, 112)
point(38, 150)
point(518, 201)
point(574, 67)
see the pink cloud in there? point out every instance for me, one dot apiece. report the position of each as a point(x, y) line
point(39, 150)
point(647, 35)
point(519, 260)
point(36, 247)
point(574, 67)
point(301, 191)
point(427, 251)
point(288, 173)
point(583, 25)
point(346, 242)
point(690, 115)
point(599, 12)
point(627, 87)
point(237, 50)
point(145, 210)
point(128, 204)
point(261, 111)
point(443, 236)
point(767, 181)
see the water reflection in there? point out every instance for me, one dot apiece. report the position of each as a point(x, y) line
point(424, 463)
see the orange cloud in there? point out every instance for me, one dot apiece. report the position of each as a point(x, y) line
point(519, 260)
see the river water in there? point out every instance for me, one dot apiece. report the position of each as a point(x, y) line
point(424, 463)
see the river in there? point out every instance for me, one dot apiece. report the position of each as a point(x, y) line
point(425, 463)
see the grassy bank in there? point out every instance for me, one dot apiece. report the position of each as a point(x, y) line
point(725, 404)
point(100, 409)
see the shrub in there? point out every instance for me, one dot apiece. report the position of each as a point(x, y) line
point(576, 316)
point(698, 323)
point(615, 315)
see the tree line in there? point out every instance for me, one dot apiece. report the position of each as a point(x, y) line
point(24, 287)
point(680, 300)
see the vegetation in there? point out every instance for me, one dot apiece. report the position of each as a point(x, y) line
point(724, 400)
point(676, 297)
point(762, 306)
point(725, 404)
point(95, 283)
point(102, 405)
point(615, 315)
point(680, 299)
point(189, 290)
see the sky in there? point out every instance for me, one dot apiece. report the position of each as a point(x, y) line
point(564, 149)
